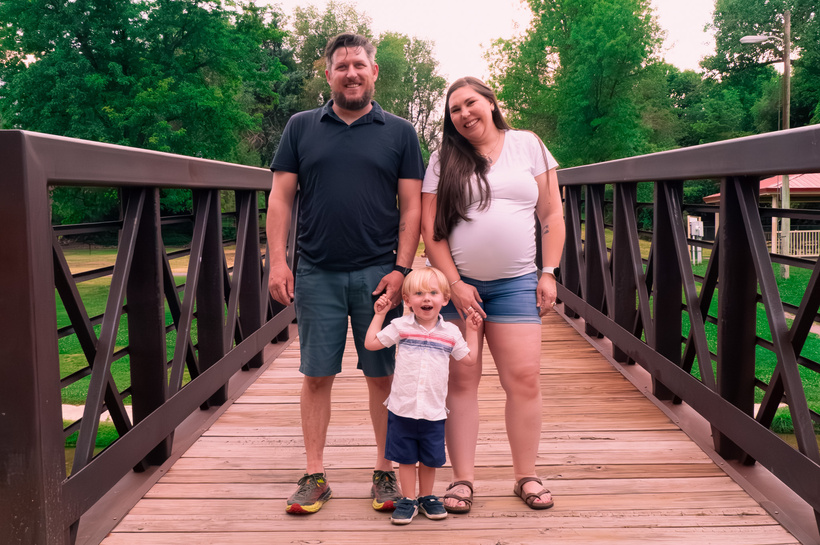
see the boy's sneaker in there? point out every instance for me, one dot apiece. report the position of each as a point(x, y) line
point(406, 509)
point(385, 490)
point(432, 508)
point(312, 493)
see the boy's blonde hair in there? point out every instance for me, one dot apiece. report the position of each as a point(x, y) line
point(420, 280)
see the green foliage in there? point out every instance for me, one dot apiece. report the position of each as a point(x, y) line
point(168, 75)
point(83, 204)
point(746, 68)
point(720, 118)
point(592, 56)
point(312, 30)
point(409, 84)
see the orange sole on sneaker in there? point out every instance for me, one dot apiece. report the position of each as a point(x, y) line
point(296, 509)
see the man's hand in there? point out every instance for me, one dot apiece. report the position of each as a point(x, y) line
point(390, 285)
point(280, 283)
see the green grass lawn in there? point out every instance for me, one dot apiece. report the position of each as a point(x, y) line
point(94, 294)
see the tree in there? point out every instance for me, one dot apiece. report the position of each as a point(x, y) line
point(409, 84)
point(747, 68)
point(658, 106)
point(169, 75)
point(580, 64)
point(312, 30)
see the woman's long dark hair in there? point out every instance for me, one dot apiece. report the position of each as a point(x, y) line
point(458, 162)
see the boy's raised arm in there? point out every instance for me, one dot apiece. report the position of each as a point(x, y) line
point(473, 322)
point(381, 306)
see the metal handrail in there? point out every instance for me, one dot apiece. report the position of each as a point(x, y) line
point(223, 319)
point(641, 305)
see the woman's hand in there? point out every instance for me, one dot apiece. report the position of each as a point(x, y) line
point(466, 299)
point(546, 293)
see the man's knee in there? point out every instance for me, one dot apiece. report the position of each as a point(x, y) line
point(379, 385)
point(317, 386)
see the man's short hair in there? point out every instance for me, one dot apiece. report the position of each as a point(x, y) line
point(350, 41)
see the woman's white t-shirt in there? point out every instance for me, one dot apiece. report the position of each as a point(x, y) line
point(499, 241)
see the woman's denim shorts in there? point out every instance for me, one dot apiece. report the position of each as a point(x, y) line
point(505, 301)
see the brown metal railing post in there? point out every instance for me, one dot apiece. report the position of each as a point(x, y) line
point(210, 295)
point(146, 321)
point(251, 296)
point(737, 316)
point(668, 286)
point(623, 278)
point(32, 456)
point(594, 278)
point(572, 258)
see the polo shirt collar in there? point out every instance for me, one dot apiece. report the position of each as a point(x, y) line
point(376, 114)
point(438, 323)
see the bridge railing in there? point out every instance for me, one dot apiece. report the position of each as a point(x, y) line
point(221, 319)
point(697, 334)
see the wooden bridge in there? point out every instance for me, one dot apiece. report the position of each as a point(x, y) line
point(620, 469)
point(650, 373)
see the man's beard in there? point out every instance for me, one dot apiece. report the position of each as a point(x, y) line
point(352, 105)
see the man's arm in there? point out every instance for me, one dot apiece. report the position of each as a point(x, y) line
point(277, 225)
point(409, 222)
point(409, 231)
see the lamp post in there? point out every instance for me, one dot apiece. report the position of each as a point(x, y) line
point(785, 197)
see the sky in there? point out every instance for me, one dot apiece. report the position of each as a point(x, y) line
point(463, 30)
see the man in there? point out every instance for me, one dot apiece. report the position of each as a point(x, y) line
point(351, 161)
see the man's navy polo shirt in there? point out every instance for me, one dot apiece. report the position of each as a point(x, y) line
point(348, 181)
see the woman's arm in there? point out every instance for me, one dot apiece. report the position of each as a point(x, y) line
point(550, 212)
point(463, 295)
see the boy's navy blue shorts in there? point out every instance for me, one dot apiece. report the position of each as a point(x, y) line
point(410, 441)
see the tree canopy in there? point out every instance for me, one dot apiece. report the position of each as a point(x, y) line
point(575, 74)
point(408, 85)
point(219, 79)
point(169, 75)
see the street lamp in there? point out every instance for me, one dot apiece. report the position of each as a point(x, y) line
point(785, 199)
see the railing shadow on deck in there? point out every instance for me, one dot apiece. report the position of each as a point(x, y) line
point(222, 318)
point(654, 314)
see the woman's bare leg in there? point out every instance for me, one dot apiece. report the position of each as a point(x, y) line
point(516, 349)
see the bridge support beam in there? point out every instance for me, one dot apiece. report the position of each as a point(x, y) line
point(668, 285)
point(737, 316)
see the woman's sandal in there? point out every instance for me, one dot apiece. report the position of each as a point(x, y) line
point(530, 499)
point(468, 500)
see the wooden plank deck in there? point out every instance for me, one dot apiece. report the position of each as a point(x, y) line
point(620, 471)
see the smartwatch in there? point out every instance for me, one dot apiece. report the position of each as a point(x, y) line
point(550, 270)
point(403, 270)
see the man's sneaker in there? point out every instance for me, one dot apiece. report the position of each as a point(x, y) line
point(385, 490)
point(432, 508)
point(406, 509)
point(312, 493)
